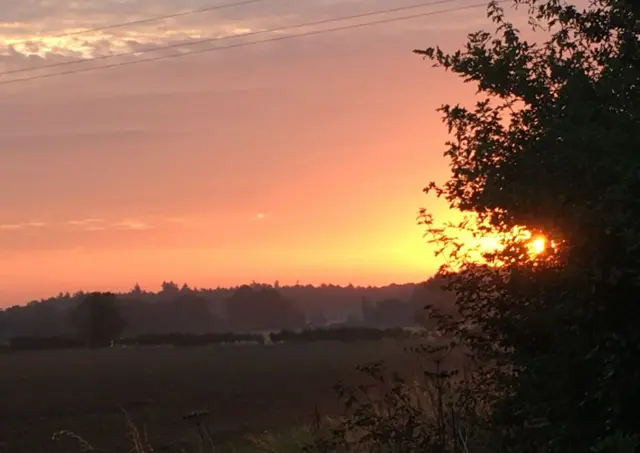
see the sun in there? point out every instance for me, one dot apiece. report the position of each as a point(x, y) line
point(538, 245)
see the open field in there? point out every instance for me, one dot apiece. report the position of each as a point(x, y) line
point(246, 389)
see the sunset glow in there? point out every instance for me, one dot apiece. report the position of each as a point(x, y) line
point(300, 160)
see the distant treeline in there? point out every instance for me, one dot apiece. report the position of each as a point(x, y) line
point(248, 308)
point(343, 334)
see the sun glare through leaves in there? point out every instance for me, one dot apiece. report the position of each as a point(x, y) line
point(538, 245)
point(486, 247)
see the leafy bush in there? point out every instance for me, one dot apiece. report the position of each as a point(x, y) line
point(439, 411)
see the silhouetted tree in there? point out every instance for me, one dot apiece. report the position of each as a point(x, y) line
point(4, 326)
point(367, 307)
point(167, 311)
point(262, 309)
point(191, 313)
point(318, 319)
point(137, 290)
point(390, 313)
point(550, 146)
point(97, 319)
point(432, 295)
point(169, 290)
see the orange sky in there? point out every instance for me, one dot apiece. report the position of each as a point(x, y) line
point(297, 160)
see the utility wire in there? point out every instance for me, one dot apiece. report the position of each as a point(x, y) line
point(223, 38)
point(246, 44)
point(141, 21)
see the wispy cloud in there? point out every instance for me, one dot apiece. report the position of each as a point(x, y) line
point(97, 224)
point(85, 222)
point(89, 224)
point(11, 226)
point(32, 33)
point(22, 226)
point(132, 225)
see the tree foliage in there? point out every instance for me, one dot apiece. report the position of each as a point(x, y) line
point(551, 147)
point(196, 310)
point(97, 319)
point(256, 309)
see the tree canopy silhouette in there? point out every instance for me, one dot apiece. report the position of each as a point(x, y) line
point(251, 309)
point(550, 147)
point(97, 319)
point(198, 310)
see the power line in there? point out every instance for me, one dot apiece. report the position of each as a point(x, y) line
point(222, 38)
point(246, 44)
point(142, 21)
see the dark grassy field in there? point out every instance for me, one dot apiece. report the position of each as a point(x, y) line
point(247, 389)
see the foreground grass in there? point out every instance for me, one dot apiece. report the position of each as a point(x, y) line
point(289, 441)
point(384, 413)
point(246, 389)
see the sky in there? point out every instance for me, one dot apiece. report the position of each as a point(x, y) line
point(297, 160)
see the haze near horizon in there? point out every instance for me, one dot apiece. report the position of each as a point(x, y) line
point(298, 160)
